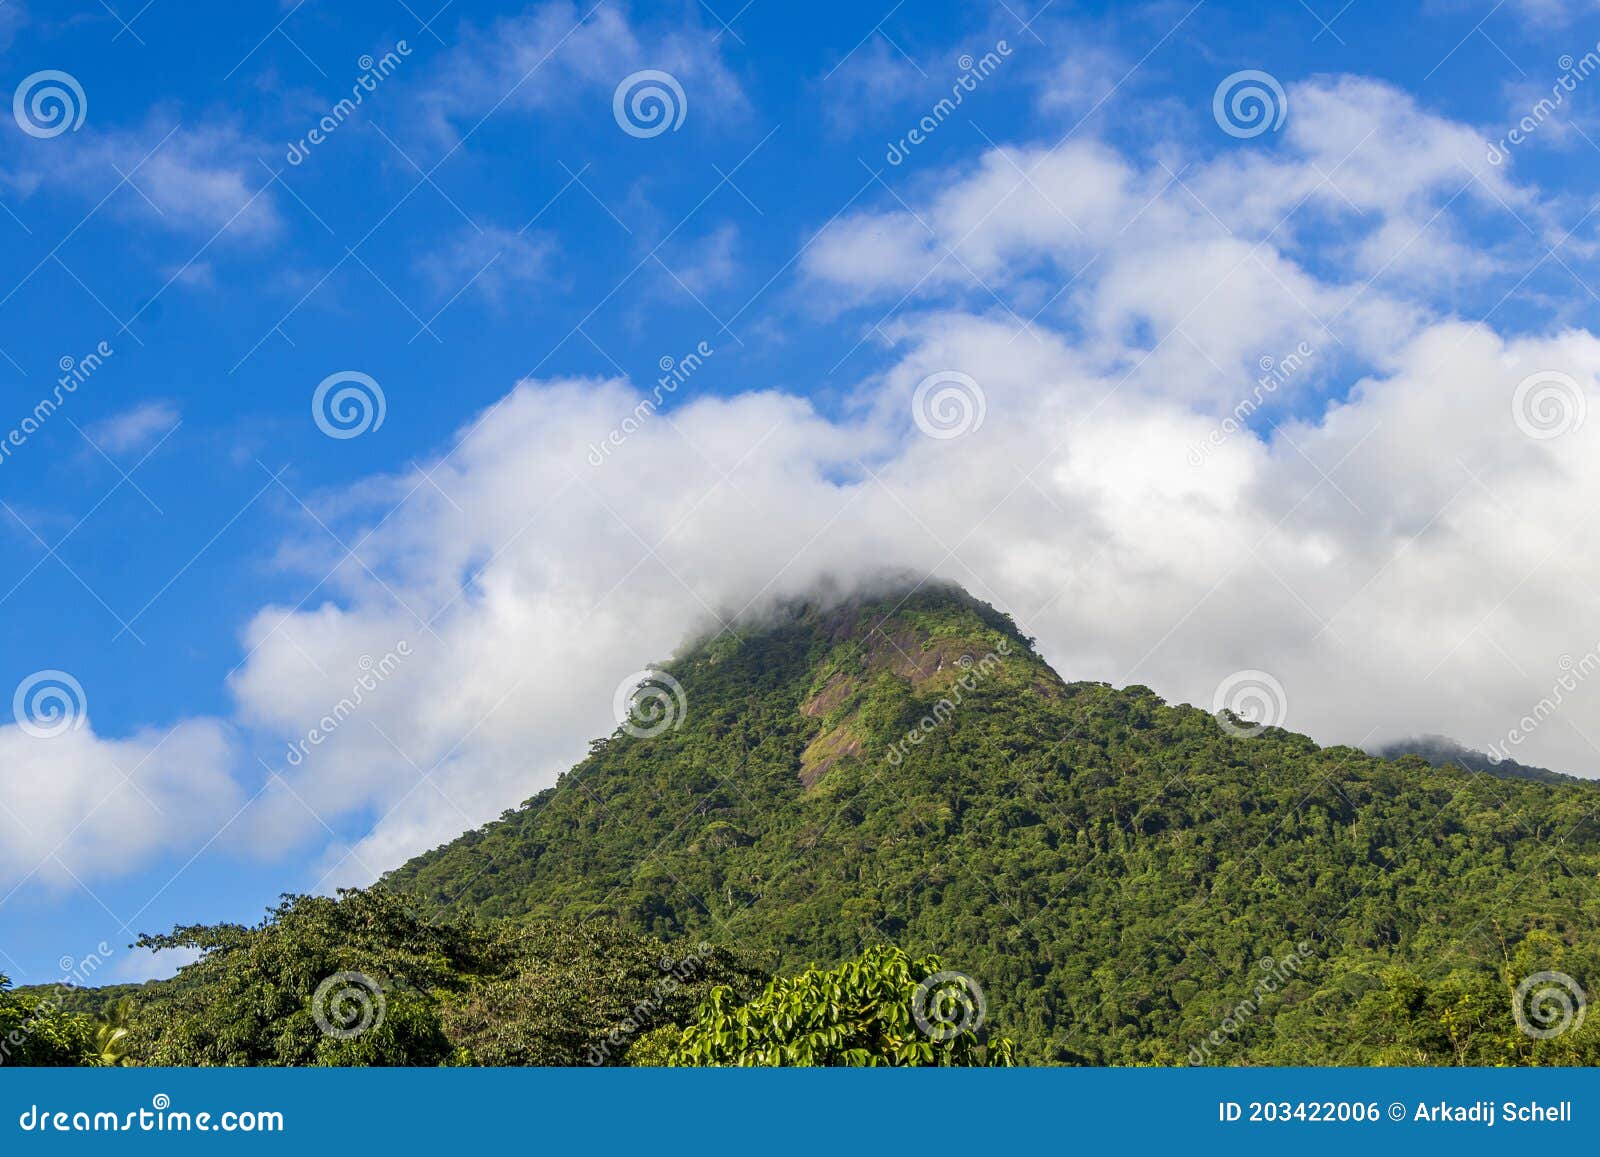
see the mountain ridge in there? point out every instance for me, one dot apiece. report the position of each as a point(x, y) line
point(1442, 751)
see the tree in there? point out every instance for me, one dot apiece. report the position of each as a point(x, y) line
point(35, 1030)
point(366, 978)
point(111, 1032)
point(586, 993)
point(881, 1009)
point(351, 979)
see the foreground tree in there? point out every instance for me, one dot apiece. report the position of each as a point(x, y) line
point(352, 979)
point(36, 1030)
point(367, 978)
point(586, 994)
point(881, 1009)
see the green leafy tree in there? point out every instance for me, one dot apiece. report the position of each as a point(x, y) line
point(365, 978)
point(587, 994)
point(35, 1030)
point(1470, 1015)
point(111, 1032)
point(352, 979)
point(862, 1013)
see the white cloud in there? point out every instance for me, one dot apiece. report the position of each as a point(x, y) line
point(873, 81)
point(79, 806)
point(140, 965)
point(191, 179)
point(488, 261)
point(1430, 586)
point(1553, 13)
point(1084, 80)
point(557, 53)
point(708, 262)
point(1217, 251)
point(133, 430)
point(13, 17)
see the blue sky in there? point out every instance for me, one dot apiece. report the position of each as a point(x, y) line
point(184, 539)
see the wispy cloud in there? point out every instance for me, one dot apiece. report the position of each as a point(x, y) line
point(558, 54)
point(133, 430)
point(193, 179)
point(490, 262)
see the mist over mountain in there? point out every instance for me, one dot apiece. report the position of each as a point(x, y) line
point(1442, 751)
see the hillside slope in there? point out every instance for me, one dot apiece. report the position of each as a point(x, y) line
point(1128, 882)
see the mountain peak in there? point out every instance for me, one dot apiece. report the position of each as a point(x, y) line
point(900, 765)
point(842, 614)
point(839, 656)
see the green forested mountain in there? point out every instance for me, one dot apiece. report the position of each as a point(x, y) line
point(1127, 881)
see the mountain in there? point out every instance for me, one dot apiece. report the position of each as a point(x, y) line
point(1442, 751)
point(1127, 881)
